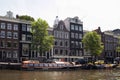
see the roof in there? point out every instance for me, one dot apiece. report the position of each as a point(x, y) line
point(3, 18)
point(69, 20)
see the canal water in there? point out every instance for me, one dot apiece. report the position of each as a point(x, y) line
point(107, 74)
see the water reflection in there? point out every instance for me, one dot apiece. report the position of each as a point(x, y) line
point(60, 75)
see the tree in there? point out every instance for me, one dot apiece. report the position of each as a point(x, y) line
point(41, 41)
point(118, 47)
point(92, 43)
point(25, 17)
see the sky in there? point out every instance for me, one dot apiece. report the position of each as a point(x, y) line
point(93, 13)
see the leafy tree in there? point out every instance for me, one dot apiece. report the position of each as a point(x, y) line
point(41, 42)
point(92, 43)
point(118, 47)
point(25, 17)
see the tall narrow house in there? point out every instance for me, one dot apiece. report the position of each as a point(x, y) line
point(75, 27)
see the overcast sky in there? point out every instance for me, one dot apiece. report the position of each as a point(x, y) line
point(93, 13)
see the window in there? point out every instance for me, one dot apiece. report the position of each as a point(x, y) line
point(2, 34)
point(80, 36)
point(9, 55)
point(61, 43)
point(15, 45)
point(66, 43)
point(76, 27)
point(23, 37)
point(60, 33)
point(66, 35)
point(56, 43)
point(80, 52)
point(9, 26)
point(80, 28)
point(72, 35)
point(63, 34)
point(23, 27)
point(56, 51)
point(72, 44)
point(66, 52)
point(80, 44)
point(76, 35)
point(9, 34)
point(61, 52)
point(76, 44)
point(8, 44)
point(28, 28)
point(15, 27)
point(77, 54)
point(15, 54)
point(55, 33)
point(15, 35)
point(2, 25)
point(29, 38)
point(72, 27)
point(2, 44)
point(25, 49)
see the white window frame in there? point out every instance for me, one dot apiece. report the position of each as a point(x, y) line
point(2, 34)
point(23, 37)
point(76, 27)
point(2, 26)
point(72, 35)
point(15, 35)
point(9, 55)
point(28, 28)
point(80, 28)
point(72, 27)
point(9, 26)
point(15, 27)
point(9, 34)
point(28, 36)
point(76, 35)
point(15, 54)
point(80, 36)
point(23, 27)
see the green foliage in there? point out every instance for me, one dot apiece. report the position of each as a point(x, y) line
point(92, 43)
point(25, 17)
point(118, 47)
point(41, 40)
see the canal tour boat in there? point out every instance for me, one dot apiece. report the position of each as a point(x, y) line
point(57, 65)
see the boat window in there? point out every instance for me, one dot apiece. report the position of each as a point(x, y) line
point(36, 65)
point(30, 64)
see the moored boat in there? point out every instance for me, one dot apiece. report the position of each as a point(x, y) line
point(34, 65)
